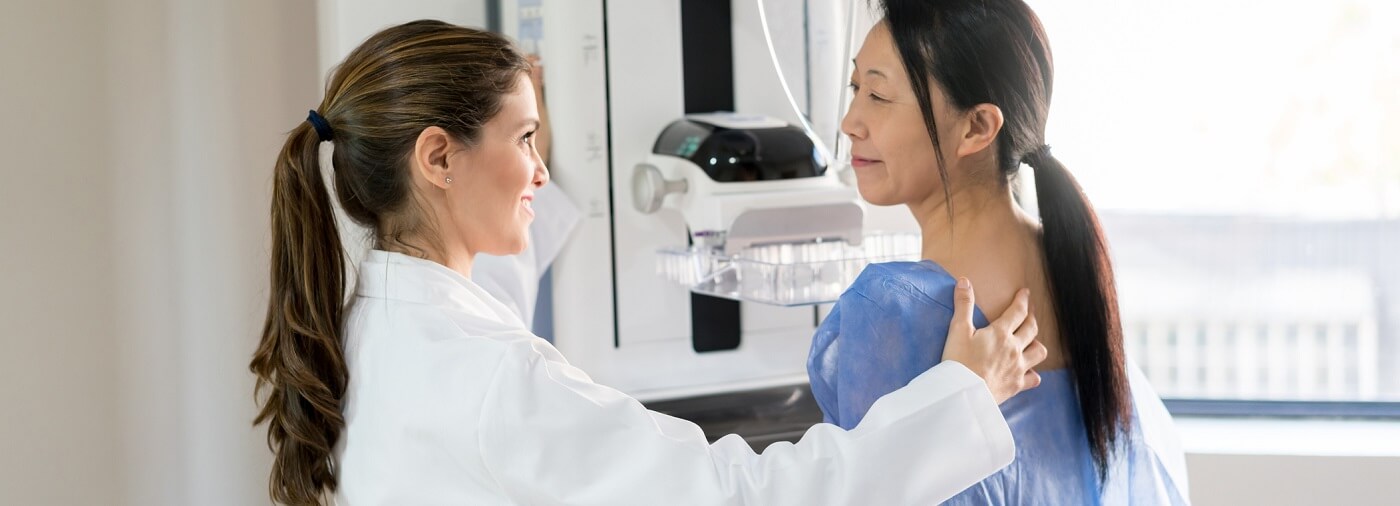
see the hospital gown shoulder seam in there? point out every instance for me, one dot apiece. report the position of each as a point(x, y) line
point(886, 277)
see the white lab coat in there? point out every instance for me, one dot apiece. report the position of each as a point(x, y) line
point(451, 401)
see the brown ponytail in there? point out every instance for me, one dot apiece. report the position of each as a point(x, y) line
point(396, 84)
point(299, 359)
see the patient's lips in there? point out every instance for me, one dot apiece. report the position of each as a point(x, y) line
point(861, 162)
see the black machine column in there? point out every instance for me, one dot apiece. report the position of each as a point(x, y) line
point(707, 51)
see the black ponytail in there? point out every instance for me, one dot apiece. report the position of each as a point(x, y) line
point(995, 52)
point(1086, 302)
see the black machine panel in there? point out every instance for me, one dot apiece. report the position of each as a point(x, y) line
point(732, 155)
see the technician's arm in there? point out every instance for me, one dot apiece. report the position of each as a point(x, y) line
point(552, 436)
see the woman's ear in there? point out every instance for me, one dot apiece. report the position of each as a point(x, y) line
point(430, 154)
point(982, 124)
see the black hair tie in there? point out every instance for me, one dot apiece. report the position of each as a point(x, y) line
point(1038, 156)
point(323, 129)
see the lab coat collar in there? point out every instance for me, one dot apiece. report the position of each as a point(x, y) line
point(395, 276)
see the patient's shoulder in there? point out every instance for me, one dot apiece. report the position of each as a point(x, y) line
point(923, 269)
point(923, 280)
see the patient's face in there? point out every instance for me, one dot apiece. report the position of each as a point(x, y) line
point(893, 157)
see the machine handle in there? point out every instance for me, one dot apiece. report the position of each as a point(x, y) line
point(649, 188)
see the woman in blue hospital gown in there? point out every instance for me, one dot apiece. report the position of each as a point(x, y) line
point(949, 146)
point(864, 349)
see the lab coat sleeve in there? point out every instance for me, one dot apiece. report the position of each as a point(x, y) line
point(549, 435)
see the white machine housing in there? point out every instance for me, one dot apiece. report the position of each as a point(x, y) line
point(732, 216)
point(613, 83)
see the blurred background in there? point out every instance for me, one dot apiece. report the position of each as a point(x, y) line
point(1245, 159)
point(139, 137)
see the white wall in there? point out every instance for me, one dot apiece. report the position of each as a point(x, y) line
point(138, 139)
point(58, 397)
point(344, 24)
point(1284, 480)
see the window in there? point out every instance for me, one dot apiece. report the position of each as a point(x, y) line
point(1245, 160)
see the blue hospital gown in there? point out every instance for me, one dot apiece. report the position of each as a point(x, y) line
point(891, 325)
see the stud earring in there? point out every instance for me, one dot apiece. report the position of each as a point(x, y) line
point(449, 179)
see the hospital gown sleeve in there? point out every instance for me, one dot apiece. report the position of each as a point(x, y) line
point(550, 435)
point(886, 330)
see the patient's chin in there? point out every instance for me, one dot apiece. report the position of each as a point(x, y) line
point(877, 196)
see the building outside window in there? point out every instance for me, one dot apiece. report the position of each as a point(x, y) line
point(1245, 162)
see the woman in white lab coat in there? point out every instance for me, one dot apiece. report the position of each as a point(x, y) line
point(425, 390)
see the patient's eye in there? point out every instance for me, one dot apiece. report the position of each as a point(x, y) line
point(855, 88)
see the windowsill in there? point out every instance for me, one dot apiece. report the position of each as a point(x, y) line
point(1279, 436)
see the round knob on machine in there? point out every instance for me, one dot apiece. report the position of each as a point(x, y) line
point(649, 188)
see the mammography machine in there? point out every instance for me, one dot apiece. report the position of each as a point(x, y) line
point(716, 219)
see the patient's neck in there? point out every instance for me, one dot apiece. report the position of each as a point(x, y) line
point(975, 221)
point(986, 237)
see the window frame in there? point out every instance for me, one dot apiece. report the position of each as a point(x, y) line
point(1235, 408)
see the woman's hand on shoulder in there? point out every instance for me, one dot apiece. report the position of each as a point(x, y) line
point(1003, 353)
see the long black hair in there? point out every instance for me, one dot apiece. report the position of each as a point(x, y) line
point(995, 52)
